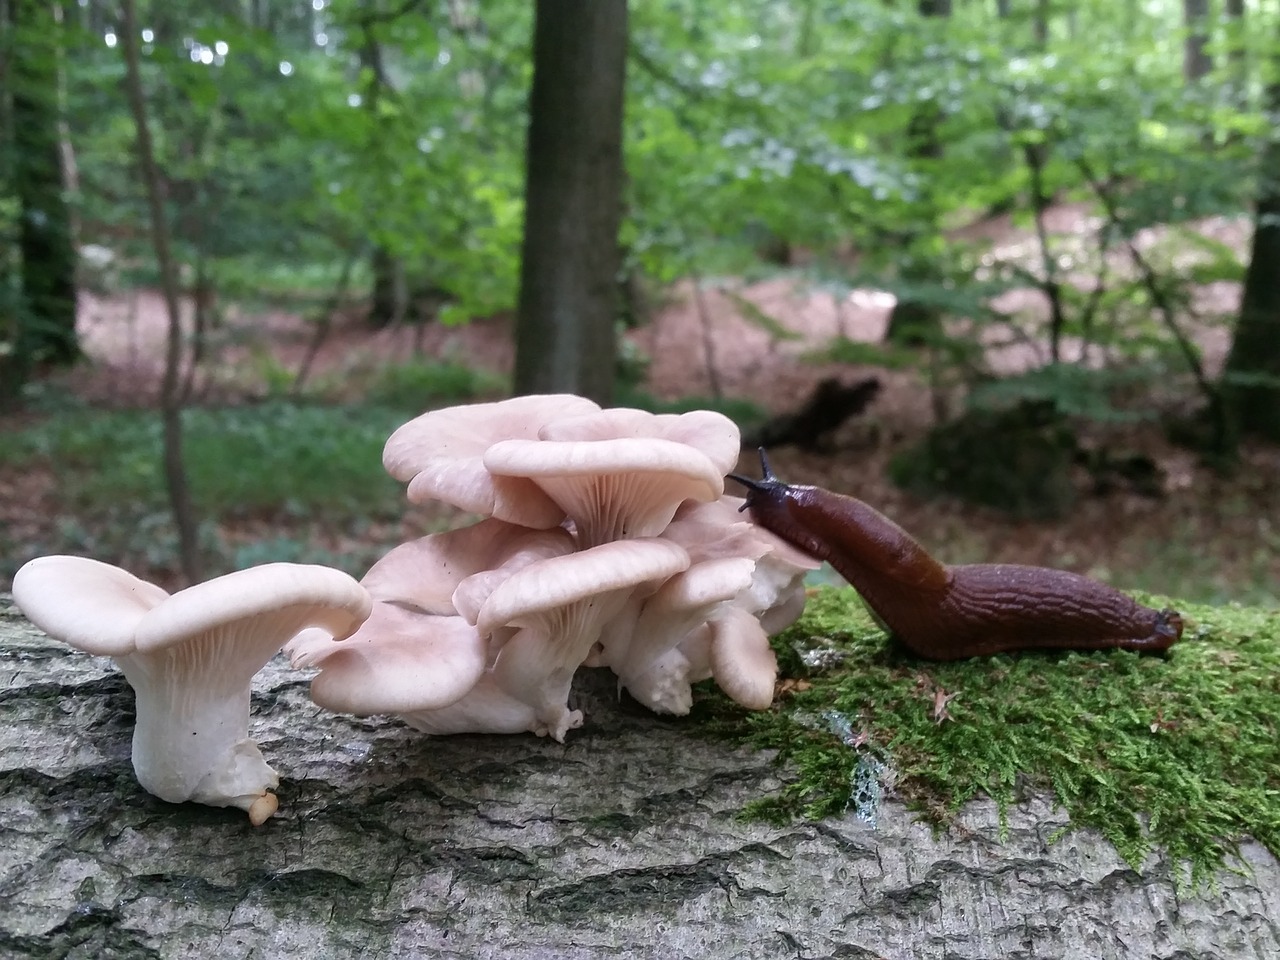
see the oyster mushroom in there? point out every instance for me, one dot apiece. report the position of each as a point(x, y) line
point(643, 650)
point(415, 653)
point(712, 433)
point(558, 607)
point(611, 489)
point(439, 455)
point(189, 658)
point(401, 660)
point(742, 662)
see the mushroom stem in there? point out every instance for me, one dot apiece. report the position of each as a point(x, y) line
point(191, 741)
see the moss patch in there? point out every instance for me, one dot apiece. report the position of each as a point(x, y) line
point(1178, 751)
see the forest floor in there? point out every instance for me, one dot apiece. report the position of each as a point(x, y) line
point(1205, 535)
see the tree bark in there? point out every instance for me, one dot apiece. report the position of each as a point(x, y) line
point(625, 841)
point(171, 389)
point(565, 338)
point(1252, 376)
point(1196, 62)
point(913, 322)
point(1252, 373)
point(46, 323)
point(1237, 54)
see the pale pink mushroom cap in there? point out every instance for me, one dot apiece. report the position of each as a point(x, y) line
point(400, 661)
point(611, 489)
point(439, 455)
point(87, 604)
point(712, 433)
point(716, 529)
point(649, 664)
point(559, 606)
point(425, 572)
point(742, 662)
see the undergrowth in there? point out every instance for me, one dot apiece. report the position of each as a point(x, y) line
point(275, 458)
point(1178, 752)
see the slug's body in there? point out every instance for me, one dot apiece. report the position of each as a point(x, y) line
point(951, 612)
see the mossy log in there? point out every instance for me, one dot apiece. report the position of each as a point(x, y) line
point(624, 842)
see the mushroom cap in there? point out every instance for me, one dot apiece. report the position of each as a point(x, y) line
point(558, 607)
point(472, 592)
point(400, 661)
point(712, 433)
point(486, 708)
point(715, 529)
point(547, 585)
point(438, 454)
point(611, 489)
point(87, 604)
point(683, 602)
point(425, 572)
point(283, 598)
point(742, 662)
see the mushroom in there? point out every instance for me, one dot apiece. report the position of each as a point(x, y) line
point(742, 662)
point(415, 653)
point(716, 529)
point(558, 607)
point(439, 455)
point(712, 433)
point(401, 660)
point(611, 489)
point(645, 654)
point(189, 658)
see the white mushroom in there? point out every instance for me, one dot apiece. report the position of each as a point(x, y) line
point(190, 658)
point(559, 606)
point(439, 453)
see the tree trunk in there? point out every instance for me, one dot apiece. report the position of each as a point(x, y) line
point(46, 325)
point(1237, 54)
point(171, 390)
point(386, 301)
point(911, 321)
point(1252, 377)
point(625, 841)
point(565, 339)
point(1196, 62)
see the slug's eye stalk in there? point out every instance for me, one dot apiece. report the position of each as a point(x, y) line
point(767, 484)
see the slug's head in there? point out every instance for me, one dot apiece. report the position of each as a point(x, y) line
point(768, 489)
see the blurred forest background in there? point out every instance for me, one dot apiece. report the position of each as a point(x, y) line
point(1007, 269)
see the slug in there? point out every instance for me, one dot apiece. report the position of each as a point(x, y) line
point(943, 612)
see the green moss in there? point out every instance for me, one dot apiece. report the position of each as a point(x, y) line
point(1178, 751)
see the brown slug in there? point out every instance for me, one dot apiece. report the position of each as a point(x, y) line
point(943, 612)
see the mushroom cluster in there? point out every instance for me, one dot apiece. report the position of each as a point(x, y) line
point(607, 541)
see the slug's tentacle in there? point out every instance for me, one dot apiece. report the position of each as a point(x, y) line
point(949, 613)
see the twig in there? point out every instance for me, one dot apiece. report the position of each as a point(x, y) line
point(324, 322)
point(708, 341)
point(170, 398)
point(1049, 284)
point(1160, 299)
